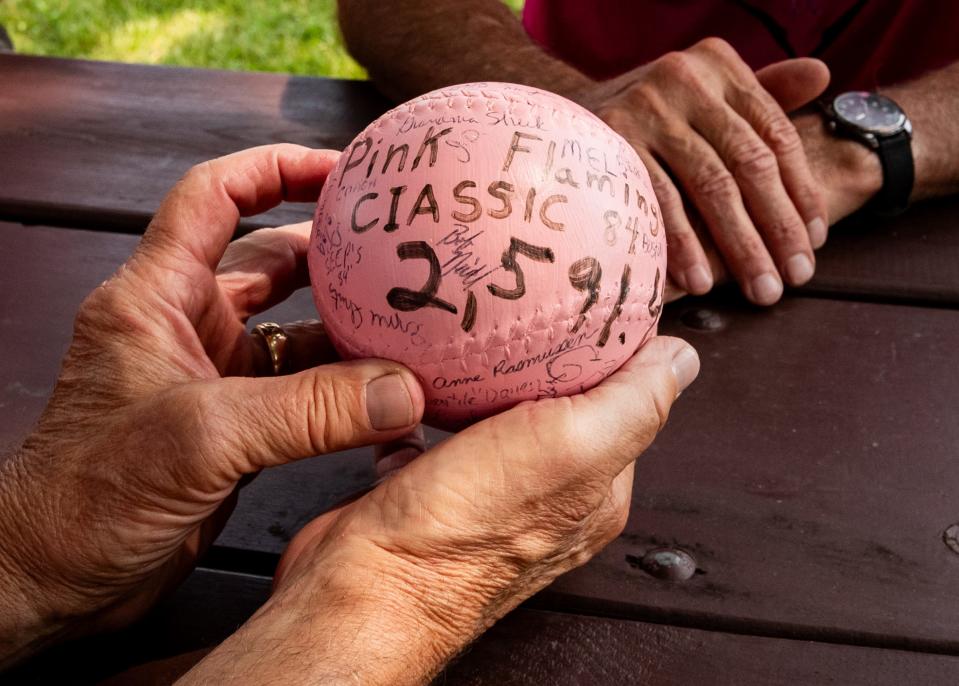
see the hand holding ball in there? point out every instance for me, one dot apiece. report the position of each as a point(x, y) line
point(500, 241)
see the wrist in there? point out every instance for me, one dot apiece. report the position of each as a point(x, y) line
point(415, 615)
point(552, 74)
point(350, 612)
point(858, 171)
point(850, 173)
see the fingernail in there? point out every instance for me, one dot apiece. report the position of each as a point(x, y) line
point(685, 367)
point(767, 289)
point(799, 269)
point(817, 232)
point(388, 403)
point(397, 460)
point(698, 280)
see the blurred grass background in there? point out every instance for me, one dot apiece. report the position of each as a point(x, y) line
point(292, 36)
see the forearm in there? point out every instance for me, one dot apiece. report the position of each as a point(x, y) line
point(932, 103)
point(344, 623)
point(410, 47)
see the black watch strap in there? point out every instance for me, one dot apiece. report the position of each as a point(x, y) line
point(898, 174)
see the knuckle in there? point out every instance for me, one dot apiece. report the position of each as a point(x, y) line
point(713, 181)
point(643, 96)
point(665, 191)
point(719, 50)
point(330, 412)
point(715, 46)
point(678, 140)
point(752, 158)
point(675, 65)
point(780, 133)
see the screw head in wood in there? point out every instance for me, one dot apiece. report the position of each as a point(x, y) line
point(671, 564)
point(951, 538)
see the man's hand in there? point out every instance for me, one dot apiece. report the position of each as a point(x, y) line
point(133, 467)
point(850, 173)
point(716, 139)
point(386, 589)
point(714, 135)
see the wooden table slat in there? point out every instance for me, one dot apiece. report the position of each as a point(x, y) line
point(97, 145)
point(910, 258)
point(526, 647)
point(813, 496)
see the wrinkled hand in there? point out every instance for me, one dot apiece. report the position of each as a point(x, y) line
point(848, 175)
point(708, 127)
point(848, 172)
point(385, 589)
point(133, 467)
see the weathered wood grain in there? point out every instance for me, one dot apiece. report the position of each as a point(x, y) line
point(527, 647)
point(910, 258)
point(98, 144)
point(810, 471)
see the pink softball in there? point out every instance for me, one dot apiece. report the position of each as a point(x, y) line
point(500, 241)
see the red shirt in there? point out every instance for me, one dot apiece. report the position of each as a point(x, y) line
point(866, 43)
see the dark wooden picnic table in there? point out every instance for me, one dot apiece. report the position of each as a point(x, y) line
point(811, 472)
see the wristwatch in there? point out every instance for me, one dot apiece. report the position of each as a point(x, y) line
point(880, 124)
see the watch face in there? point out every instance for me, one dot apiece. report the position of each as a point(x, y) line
point(869, 111)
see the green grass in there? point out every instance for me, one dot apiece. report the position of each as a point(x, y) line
point(293, 36)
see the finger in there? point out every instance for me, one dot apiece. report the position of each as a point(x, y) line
point(715, 260)
point(716, 195)
point(781, 88)
point(393, 455)
point(794, 83)
point(687, 262)
point(643, 390)
point(264, 268)
point(672, 292)
point(243, 425)
point(584, 437)
point(307, 345)
point(756, 169)
point(200, 214)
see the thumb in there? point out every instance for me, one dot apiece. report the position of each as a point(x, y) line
point(585, 436)
point(796, 82)
point(264, 422)
point(640, 394)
